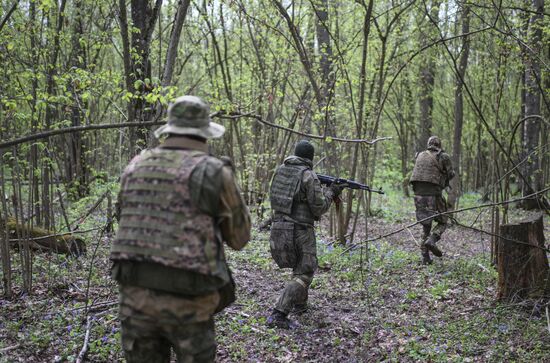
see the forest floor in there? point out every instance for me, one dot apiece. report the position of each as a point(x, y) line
point(371, 304)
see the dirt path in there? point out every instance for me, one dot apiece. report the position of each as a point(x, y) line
point(379, 306)
point(397, 311)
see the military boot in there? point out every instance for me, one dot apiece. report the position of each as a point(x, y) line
point(278, 319)
point(426, 259)
point(430, 244)
point(299, 309)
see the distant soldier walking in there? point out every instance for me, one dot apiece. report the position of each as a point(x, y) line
point(177, 206)
point(431, 174)
point(297, 200)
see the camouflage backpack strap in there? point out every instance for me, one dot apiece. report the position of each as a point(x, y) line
point(436, 160)
point(205, 185)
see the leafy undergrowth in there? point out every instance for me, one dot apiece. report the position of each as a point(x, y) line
point(369, 303)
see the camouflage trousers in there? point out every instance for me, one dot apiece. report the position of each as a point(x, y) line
point(296, 290)
point(429, 206)
point(149, 332)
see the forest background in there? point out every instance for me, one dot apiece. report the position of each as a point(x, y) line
point(83, 84)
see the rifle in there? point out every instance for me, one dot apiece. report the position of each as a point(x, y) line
point(328, 180)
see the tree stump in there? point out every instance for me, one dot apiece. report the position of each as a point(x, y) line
point(522, 261)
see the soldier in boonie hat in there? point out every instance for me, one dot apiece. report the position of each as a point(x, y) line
point(178, 205)
point(190, 115)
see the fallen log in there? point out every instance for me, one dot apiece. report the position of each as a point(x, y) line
point(522, 263)
point(41, 239)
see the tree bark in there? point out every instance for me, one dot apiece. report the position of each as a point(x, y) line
point(361, 103)
point(459, 108)
point(76, 166)
point(137, 64)
point(175, 35)
point(531, 127)
point(427, 80)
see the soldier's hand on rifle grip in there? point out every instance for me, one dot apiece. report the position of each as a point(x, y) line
point(337, 188)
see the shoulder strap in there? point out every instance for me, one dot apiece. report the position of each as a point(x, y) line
point(436, 162)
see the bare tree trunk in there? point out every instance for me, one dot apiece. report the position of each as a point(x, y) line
point(531, 130)
point(137, 65)
point(51, 112)
point(427, 79)
point(300, 48)
point(459, 108)
point(4, 234)
point(77, 169)
point(173, 44)
point(126, 59)
point(327, 79)
point(361, 105)
point(35, 190)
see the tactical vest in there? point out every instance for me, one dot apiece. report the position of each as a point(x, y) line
point(285, 186)
point(159, 222)
point(285, 193)
point(427, 168)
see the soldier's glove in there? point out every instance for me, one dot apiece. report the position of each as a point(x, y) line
point(337, 188)
point(228, 162)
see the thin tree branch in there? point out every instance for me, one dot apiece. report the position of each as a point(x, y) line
point(221, 115)
point(68, 130)
point(451, 212)
point(8, 15)
point(84, 349)
point(258, 118)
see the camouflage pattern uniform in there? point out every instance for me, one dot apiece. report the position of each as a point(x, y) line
point(431, 174)
point(177, 206)
point(298, 200)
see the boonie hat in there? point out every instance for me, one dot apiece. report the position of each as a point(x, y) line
point(190, 115)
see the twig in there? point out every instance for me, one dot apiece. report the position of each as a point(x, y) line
point(84, 349)
point(499, 236)
point(68, 130)
point(88, 282)
point(8, 15)
point(92, 208)
point(414, 239)
point(453, 212)
point(319, 162)
point(7, 349)
point(95, 307)
point(483, 267)
point(548, 318)
point(220, 114)
point(236, 115)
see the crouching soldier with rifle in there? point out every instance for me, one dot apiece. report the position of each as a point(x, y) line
point(297, 200)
